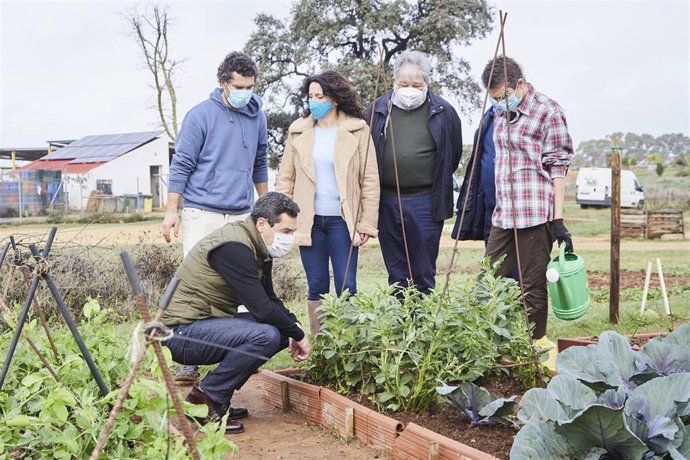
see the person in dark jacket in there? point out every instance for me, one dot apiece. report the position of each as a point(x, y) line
point(418, 141)
point(476, 223)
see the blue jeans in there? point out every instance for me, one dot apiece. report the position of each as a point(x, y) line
point(423, 236)
point(257, 341)
point(330, 238)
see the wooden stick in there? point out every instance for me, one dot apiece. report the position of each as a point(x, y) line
point(614, 290)
point(349, 431)
point(434, 450)
point(645, 291)
point(667, 307)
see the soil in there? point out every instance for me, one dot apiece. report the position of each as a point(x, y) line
point(451, 423)
point(634, 279)
point(271, 433)
point(636, 341)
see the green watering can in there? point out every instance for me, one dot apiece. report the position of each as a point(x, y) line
point(567, 279)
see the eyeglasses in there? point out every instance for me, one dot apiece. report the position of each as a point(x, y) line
point(505, 92)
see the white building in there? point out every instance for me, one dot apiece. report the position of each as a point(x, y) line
point(117, 164)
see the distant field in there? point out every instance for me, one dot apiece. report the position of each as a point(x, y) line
point(671, 190)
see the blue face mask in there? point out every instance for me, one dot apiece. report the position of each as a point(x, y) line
point(513, 103)
point(238, 98)
point(320, 109)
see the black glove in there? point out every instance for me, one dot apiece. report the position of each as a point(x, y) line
point(562, 234)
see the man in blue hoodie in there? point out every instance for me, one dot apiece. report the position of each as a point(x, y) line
point(220, 157)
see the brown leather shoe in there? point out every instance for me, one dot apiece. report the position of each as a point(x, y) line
point(216, 413)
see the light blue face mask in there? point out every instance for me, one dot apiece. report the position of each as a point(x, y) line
point(513, 103)
point(238, 98)
point(320, 109)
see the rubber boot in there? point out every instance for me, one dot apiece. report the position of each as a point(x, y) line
point(545, 344)
point(314, 317)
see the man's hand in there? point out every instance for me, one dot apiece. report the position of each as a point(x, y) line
point(299, 350)
point(171, 221)
point(562, 234)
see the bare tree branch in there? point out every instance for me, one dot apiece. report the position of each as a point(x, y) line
point(150, 30)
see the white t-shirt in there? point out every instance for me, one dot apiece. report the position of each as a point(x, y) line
point(326, 198)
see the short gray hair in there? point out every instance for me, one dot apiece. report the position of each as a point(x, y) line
point(418, 60)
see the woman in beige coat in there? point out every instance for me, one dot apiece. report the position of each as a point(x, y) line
point(329, 168)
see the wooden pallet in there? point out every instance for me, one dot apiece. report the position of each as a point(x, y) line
point(664, 223)
point(633, 223)
point(651, 224)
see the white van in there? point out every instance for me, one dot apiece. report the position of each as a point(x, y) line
point(594, 188)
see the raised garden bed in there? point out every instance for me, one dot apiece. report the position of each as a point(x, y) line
point(636, 340)
point(351, 419)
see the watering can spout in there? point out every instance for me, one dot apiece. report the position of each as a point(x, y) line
point(567, 279)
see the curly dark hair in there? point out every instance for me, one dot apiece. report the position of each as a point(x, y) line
point(338, 88)
point(236, 62)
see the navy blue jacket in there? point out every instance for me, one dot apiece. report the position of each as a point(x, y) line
point(445, 128)
point(477, 222)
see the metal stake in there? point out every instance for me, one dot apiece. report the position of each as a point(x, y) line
point(42, 271)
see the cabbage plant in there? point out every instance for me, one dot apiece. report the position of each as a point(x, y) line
point(610, 402)
point(477, 404)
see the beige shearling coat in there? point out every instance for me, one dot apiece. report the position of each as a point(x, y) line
point(358, 187)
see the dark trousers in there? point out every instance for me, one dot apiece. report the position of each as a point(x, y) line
point(330, 239)
point(423, 237)
point(254, 342)
point(535, 252)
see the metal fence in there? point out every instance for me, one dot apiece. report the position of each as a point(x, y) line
point(31, 193)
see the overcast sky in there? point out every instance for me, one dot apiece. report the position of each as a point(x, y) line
point(69, 69)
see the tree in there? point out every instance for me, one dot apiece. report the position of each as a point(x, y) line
point(659, 169)
point(654, 157)
point(149, 27)
point(640, 148)
point(346, 35)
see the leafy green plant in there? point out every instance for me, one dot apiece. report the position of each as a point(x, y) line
point(609, 401)
point(477, 404)
point(394, 350)
point(46, 419)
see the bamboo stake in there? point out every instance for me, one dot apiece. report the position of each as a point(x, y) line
point(645, 291)
point(667, 307)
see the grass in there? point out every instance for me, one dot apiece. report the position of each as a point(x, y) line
point(585, 223)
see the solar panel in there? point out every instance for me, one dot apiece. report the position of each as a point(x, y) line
point(100, 148)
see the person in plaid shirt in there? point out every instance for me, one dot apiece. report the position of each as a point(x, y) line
point(536, 143)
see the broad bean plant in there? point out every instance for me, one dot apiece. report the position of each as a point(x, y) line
point(41, 418)
point(395, 350)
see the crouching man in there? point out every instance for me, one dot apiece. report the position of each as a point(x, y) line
point(231, 267)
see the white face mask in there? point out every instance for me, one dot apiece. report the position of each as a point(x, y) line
point(281, 245)
point(409, 98)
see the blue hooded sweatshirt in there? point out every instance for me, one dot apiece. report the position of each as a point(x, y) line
point(219, 155)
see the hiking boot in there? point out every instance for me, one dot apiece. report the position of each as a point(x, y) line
point(187, 375)
point(217, 411)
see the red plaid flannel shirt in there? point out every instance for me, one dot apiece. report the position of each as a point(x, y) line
point(541, 150)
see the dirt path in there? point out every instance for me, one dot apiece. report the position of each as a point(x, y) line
point(594, 243)
point(273, 434)
point(149, 232)
point(103, 234)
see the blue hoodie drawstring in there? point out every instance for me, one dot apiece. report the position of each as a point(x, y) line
point(244, 139)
